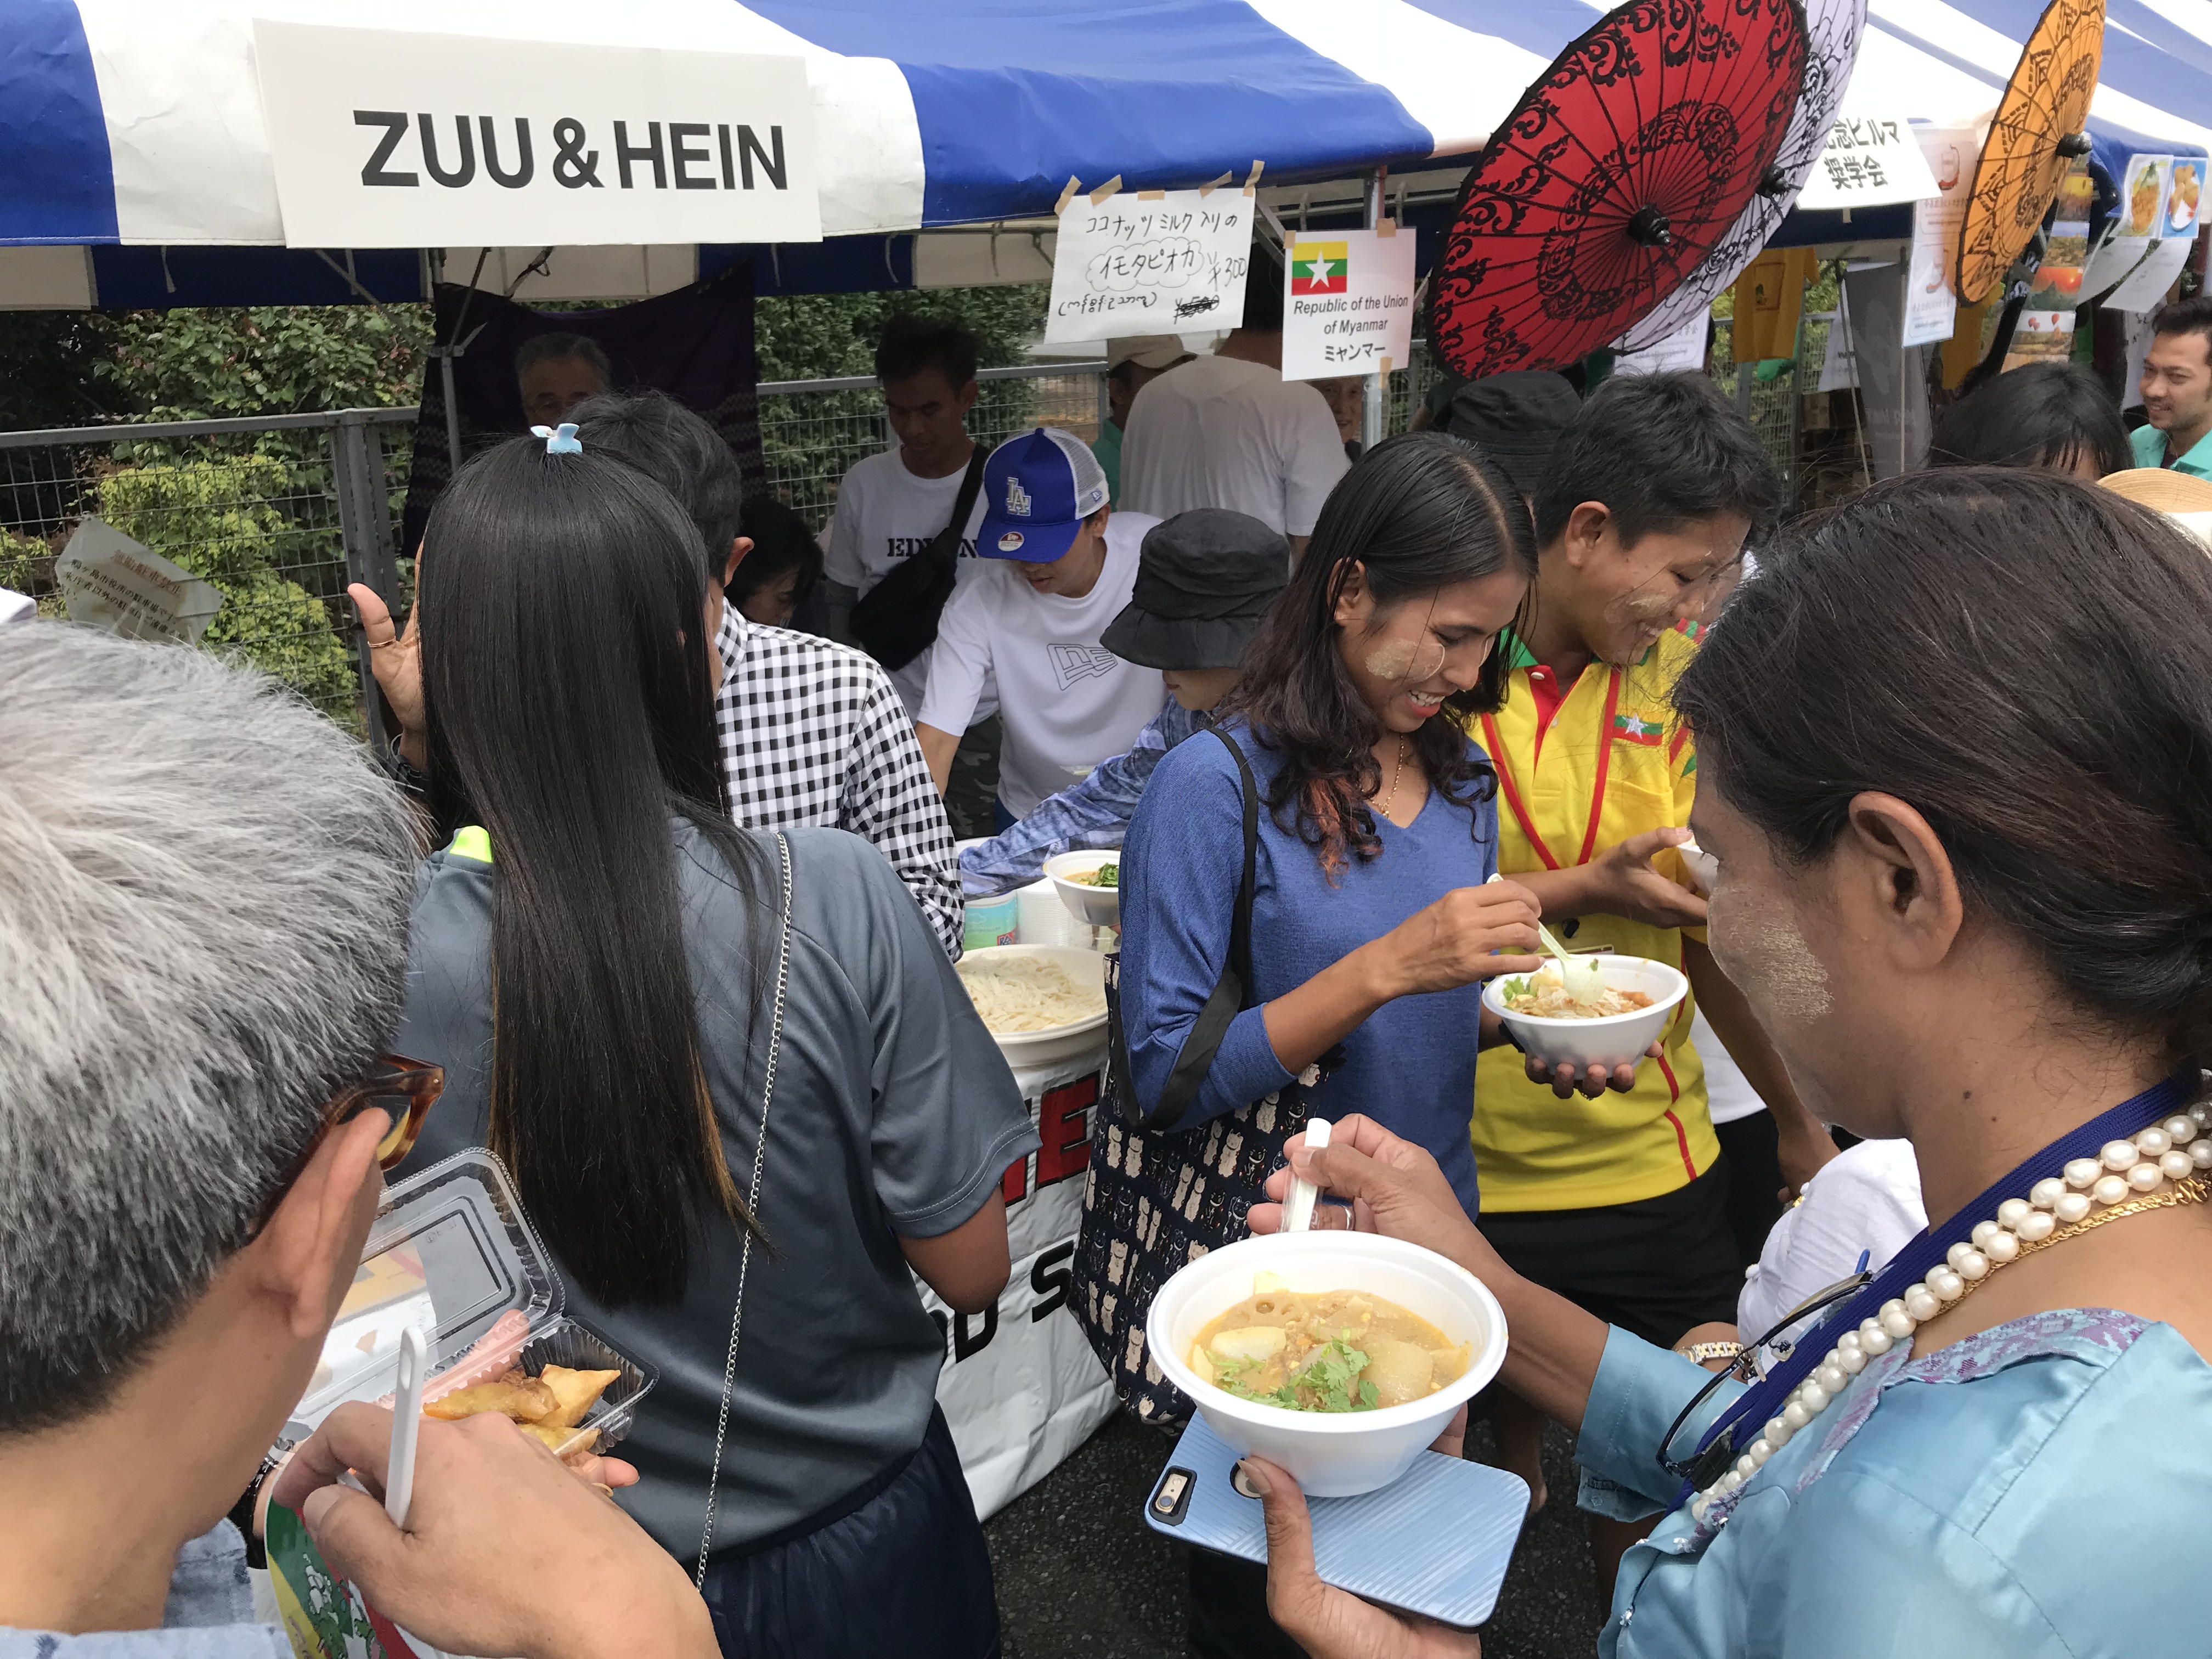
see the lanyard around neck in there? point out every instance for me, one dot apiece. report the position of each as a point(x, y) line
point(1911, 1264)
point(1517, 804)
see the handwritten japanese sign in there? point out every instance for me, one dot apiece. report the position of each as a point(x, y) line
point(109, 581)
point(1348, 304)
point(1871, 158)
point(387, 139)
point(1170, 264)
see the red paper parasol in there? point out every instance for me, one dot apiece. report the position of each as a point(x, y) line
point(1613, 178)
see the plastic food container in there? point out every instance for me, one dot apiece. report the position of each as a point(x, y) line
point(1084, 969)
point(1613, 1039)
point(451, 1253)
point(986, 923)
point(1331, 1455)
point(1099, 906)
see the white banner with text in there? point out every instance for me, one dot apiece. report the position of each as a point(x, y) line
point(388, 139)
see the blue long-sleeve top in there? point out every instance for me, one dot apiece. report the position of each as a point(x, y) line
point(1090, 816)
point(1979, 1501)
point(1410, 1065)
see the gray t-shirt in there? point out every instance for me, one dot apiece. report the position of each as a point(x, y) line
point(894, 1114)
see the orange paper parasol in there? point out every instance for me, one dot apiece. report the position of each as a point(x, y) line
point(2036, 134)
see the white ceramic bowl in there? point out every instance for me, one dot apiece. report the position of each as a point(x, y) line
point(1614, 1040)
point(1701, 865)
point(1099, 906)
point(1083, 967)
point(1331, 1455)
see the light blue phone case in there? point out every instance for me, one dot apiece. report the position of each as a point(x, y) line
point(1436, 1541)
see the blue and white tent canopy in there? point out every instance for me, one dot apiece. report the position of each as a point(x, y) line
point(135, 130)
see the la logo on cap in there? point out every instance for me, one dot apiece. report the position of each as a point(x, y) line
point(1018, 502)
point(1011, 541)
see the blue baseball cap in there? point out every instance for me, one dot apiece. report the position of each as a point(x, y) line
point(1037, 490)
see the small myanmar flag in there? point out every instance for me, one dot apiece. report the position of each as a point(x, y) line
point(1634, 728)
point(1318, 267)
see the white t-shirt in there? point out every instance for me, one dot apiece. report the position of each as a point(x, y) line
point(1065, 703)
point(885, 514)
point(1866, 1198)
point(1222, 432)
point(1728, 1090)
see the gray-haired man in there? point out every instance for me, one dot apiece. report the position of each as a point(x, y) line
point(203, 895)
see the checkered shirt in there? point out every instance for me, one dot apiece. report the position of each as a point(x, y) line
point(812, 733)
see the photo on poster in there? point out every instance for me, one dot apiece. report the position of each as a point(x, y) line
point(2142, 204)
point(2181, 202)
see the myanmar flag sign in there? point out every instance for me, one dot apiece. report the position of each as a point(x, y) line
point(1318, 268)
point(1633, 728)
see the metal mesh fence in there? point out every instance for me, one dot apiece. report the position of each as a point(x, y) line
point(278, 515)
point(251, 509)
point(812, 431)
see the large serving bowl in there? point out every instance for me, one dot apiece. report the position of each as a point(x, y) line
point(1099, 906)
point(1613, 1039)
point(1330, 1455)
point(1084, 968)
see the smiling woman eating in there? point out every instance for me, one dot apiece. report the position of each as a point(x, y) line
point(1906, 718)
point(1369, 827)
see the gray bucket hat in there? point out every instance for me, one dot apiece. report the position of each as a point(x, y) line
point(1204, 578)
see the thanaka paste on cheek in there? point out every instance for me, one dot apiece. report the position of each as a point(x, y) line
point(1767, 955)
point(1393, 659)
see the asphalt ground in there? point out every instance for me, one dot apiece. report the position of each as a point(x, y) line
point(1080, 1573)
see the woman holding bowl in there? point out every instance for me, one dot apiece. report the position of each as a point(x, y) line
point(1372, 917)
point(1894, 796)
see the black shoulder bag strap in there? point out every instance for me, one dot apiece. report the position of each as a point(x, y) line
point(970, 488)
point(1232, 992)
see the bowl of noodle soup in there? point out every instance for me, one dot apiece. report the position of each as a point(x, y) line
point(1042, 1002)
point(1608, 1040)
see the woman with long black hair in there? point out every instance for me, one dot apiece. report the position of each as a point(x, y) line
point(1372, 918)
point(731, 1071)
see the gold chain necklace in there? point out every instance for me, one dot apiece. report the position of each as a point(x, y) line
point(1396, 769)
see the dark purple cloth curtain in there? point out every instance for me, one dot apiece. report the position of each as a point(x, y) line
point(695, 345)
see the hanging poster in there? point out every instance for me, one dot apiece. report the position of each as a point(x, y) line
point(1931, 308)
point(1348, 303)
point(1871, 158)
point(1685, 349)
point(2181, 197)
point(2041, 336)
point(1155, 262)
point(107, 580)
point(383, 138)
point(2135, 227)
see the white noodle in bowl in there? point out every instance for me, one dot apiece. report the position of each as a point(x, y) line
point(1042, 1002)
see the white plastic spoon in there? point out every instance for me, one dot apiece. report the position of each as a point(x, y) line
point(1583, 976)
point(1298, 1205)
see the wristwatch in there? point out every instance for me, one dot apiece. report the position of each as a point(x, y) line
point(410, 778)
point(1703, 1352)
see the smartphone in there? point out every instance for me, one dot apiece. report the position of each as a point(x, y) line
point(1435, 1543)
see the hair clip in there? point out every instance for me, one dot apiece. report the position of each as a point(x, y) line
point(559, 440)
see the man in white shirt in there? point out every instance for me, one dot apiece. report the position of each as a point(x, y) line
point(1230, 431)
point(891, 505)
point(1057, 567)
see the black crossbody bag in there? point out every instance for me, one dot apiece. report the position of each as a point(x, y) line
point(896, 621)
point(1156, 1197)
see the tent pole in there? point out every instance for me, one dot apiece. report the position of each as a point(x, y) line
point(1374, 395)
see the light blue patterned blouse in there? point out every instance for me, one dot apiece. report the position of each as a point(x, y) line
point(2043, 1489)
point(209, 1616)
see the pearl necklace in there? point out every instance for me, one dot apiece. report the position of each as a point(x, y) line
point(2125, 1178)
